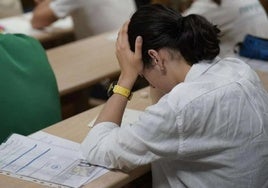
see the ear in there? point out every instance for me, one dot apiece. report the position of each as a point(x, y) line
point(154, 55)
point(157, 60)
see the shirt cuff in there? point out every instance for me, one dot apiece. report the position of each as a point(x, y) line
point(95, 135)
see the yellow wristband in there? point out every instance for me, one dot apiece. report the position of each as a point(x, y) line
point(122, 91)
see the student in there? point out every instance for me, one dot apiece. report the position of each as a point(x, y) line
point(236, 19)
point(208, 130)
point(29, 97)
point(89, 17)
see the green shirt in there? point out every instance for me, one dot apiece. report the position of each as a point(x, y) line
point(29, 97)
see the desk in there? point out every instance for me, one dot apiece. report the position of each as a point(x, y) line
point(76, 129)
point(85, 62)
point(81, 64)
point(59, 30)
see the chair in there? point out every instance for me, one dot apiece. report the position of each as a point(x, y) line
point(29, 97)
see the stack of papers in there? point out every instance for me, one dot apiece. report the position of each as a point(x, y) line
point(46, 159)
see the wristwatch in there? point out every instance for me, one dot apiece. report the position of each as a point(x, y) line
point(114, 88)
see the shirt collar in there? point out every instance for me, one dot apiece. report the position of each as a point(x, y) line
point(200, 68)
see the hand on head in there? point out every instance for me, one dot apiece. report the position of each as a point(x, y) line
point(130, 62)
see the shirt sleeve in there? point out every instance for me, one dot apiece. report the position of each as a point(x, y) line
point(153, 136)
point(63, 8)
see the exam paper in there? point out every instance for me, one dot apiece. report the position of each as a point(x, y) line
point(45, 163)
point(56, 141)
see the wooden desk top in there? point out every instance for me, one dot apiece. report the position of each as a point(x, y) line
point(21, 24)
point(76, 129)
point(83, 63)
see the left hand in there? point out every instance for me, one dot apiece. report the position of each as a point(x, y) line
point(130, 62)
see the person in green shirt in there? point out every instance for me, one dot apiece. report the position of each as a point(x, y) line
point(29, 97)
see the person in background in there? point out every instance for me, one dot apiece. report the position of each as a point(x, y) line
point(10, 8)
point(236, 19)
point(29, 97)
point(210, 129)
point(89, 17)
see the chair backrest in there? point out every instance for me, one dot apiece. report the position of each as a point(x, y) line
point(29, 97)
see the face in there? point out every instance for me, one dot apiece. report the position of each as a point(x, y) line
point(157, 78)
point(151, 74)
point(166, 71)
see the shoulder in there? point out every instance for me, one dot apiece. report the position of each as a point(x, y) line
point(16, 40)
point(214, 81)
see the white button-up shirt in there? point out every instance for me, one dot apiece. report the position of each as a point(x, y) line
point(209, 131)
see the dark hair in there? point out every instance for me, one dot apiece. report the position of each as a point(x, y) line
point(161, 27)
point(217, 2)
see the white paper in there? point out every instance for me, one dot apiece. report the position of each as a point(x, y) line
point(56, 141)
point(22, 24)
point(46, 163)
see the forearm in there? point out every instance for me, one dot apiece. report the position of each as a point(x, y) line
point(43, 15)
point(114, 108)
point(130, 64)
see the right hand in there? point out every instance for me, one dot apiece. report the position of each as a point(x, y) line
point(130, 62)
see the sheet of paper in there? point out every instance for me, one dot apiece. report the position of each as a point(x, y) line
point(21, 24)
point(129, 116)
point(46, 163)
point(56, 141)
